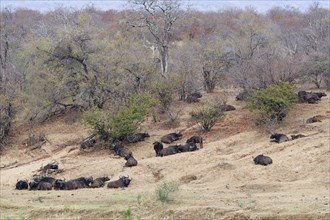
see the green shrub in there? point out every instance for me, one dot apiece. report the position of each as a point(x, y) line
point(268, 103)
point(207, 116)
point(127, 214)
point(112, 126)
point(163, 191)
point(164, 93)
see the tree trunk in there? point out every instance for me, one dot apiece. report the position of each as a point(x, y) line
point(163, 52)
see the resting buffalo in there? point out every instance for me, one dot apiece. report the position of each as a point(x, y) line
point(169, 150)
point(313, 119)
point(262, 160)
point(187, 147)
point(193, 97)
point(122, 182)
point(47, 179)
point(88, 143)
point(169, 138)
point(130, 161)
point(133, 138)
point(279, 138)
point(65, 185)
point(196, 139)
point(242, 96)
point(50, 166)
point(122, 151)
point(293, 137)
point(41, 185)
point(309, 97)
point(226, 108)
point(22, 184)
point(99, 182)
point(83, 182)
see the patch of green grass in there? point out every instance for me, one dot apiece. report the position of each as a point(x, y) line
point(127, 214)
point(164, 190)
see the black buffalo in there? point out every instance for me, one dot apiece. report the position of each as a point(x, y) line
point(309, 97)
point(122, 182)
point(41, 185)
point(242, 96)
point(88, 143)
point(50, 166)
point(130, 161)
point(169, 138)
point(133, 138)
point(169, 151)
point(293, 137)
point(22, 184)
point(193, 97)
point(121, 151)
point(158, 146)
point(83, 182)
point(313, 119)
point(226, 108)
point(187, 147)
point(279, 138)
point(196, 139)
point(99, 182)
point(262, 160)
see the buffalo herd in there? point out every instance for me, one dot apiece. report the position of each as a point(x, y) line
point(49, 183)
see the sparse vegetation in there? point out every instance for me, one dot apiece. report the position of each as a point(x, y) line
point(127, 214)
point(164, 190)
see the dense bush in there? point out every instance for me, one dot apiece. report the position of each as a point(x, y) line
point(207, 116)
point(110, 126)
point(272, 101)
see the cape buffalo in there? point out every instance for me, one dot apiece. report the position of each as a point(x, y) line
point(196, 139)
point(309, 97)
point(63, 185)
point(22, 184)
point(242, 96)
point(88, 143)
point(122, 182)
point(313, 119)
point(169, 150)
point(262, 160)
point(158, 147)
point(293, 137)
point(99, 182)
point(122, 151)
point(130, 161)
point(169, 138)
point(193, 97)
point(279, 138)
point(187, 147)
point(133, 138)
point(226, 108)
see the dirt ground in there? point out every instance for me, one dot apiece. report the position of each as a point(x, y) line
point(219, 181)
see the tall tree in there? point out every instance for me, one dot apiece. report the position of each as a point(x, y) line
point(158, 17)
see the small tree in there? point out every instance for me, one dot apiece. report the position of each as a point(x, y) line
point(112, 126)
point(207, 116)
point(271, 102)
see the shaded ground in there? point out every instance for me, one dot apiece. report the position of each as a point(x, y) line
point(219, 181)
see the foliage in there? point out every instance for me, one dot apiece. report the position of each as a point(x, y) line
point(127, 214)
point(268, 103)
point(318, 71)
point(112, 126)
point(207, 116)
point(164, 190)
point(163, 90)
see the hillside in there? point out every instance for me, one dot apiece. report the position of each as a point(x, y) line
point(219, 181)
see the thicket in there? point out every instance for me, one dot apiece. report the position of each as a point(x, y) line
point(110, 126)
point(273, 101)
point(207, 116)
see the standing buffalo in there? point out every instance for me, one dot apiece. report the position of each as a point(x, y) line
point(279, 138)
point(262, 160)
point(22, 184)
point(169, 138)
point(196, 139)
point(130, 161)
point(99, 182)
point(122, 182)
point(158, 147)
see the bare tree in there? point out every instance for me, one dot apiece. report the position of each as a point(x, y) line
point(158, 17)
